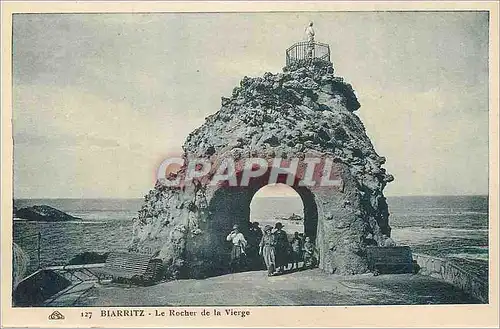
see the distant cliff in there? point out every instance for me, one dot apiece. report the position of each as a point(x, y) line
point(43, 213)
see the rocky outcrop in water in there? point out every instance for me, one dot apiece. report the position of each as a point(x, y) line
point(306, 111)
point(43, 213)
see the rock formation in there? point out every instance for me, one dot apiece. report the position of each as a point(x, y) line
point(306, 111)
point(43, 213)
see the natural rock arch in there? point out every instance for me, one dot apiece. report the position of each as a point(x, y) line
point(231, 205)
point(305, 112)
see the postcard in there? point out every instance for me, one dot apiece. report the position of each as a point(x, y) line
point(258, 164)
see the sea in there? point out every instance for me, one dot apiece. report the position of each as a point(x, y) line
point(453, 227)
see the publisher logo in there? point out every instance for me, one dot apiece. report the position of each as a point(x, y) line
point(56, 315)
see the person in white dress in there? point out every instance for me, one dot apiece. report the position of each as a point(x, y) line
point(238, 251)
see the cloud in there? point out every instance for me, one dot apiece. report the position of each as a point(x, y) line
point(101, 99)
point(436, 142)
point(64, 141)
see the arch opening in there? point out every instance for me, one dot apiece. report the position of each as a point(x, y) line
point(281, 203)
point(278, 203)
point(233, 205)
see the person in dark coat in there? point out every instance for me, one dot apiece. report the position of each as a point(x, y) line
point(296, 250)
point(282, 247)
point(254, 238)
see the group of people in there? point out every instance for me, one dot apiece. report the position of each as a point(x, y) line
point(270, 247)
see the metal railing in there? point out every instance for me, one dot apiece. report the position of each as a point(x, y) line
point(306, 50)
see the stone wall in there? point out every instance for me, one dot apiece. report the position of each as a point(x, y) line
point(448, 271)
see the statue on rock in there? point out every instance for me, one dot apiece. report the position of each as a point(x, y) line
point(310, 40)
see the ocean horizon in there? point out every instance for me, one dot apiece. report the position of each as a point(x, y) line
point(454, 227)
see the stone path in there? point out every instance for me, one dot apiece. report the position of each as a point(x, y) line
point(311, 287)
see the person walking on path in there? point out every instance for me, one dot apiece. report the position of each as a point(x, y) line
point(282, 247)
point(267, 250)
point(238, 252)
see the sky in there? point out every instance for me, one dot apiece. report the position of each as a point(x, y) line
point(99, 100)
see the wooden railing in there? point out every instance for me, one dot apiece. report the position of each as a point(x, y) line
point(307, 51)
